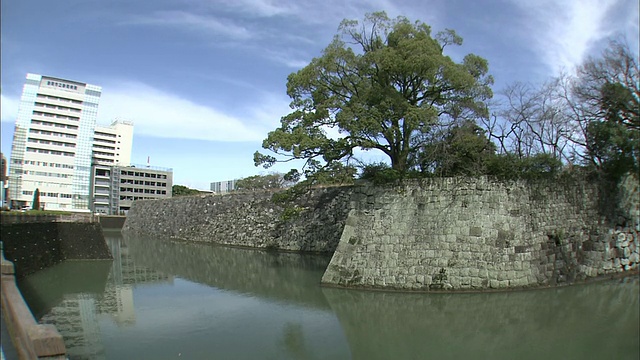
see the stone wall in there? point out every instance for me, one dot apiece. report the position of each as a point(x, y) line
point(477, 234)
point(313, 224)
point(433, 234)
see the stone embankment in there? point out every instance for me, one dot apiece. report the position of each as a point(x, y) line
point(435, 234)
point(313, 223)
point(478, 234)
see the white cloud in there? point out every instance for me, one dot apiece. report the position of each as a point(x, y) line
point(9, 108)
point(564, 31)
point(291, 41)
point(287, 58)
point(161, 114)
point(192, 21)
point(311, 11)
point(262, 8)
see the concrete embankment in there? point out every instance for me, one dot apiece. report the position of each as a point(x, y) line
point(33, 243)
point(30, 339)
point(34, 246)
point(111, 221)
point(430, 235)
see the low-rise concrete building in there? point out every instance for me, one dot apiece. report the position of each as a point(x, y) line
point(115, 188)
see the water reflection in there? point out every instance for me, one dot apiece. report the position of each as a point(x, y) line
point(47, 288)
point(285, 277)
point(596, 321)
point(73, 294)
point(161, 300)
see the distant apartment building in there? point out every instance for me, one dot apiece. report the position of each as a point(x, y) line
point(52, 143)
point(223, 187)
point(115, 188)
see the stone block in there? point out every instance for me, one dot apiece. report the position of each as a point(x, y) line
point(475, 231)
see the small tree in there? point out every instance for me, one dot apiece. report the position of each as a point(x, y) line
point(462, 149)
point(36, 200)
point(181, 190)
point(263, 182)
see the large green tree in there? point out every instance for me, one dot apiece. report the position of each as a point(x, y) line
point(380, 84)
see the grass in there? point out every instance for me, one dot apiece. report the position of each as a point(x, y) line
point(38, 212)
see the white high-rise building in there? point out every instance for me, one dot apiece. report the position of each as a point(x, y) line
point(53, 143)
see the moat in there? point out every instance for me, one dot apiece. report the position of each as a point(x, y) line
point(164, 300)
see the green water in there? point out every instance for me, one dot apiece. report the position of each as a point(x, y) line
point(162, 300)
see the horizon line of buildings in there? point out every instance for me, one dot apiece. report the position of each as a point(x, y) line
point(75, 164)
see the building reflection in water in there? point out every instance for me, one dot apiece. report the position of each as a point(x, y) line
point(75, 308)
point(235, 303)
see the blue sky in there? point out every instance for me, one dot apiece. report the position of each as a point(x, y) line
point(204, 80)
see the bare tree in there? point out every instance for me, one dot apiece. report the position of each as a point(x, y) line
point(557, 117)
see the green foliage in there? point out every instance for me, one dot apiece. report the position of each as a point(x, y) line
point(263, 182)
point(290, 212)
point(380, 173)
point(614, 147)
point(614, 139)
point(36, 200)
point(282, 197)
point(510, 166)
point(462, 150)
point(439, 279)
point(609, 90)
point(335, 173)
point(181, 190)
point(620, 105)
point(383, 94)
point(290, 194)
